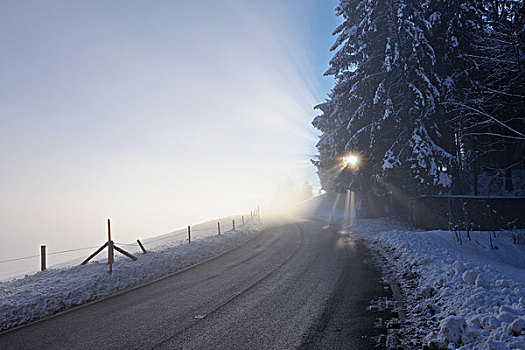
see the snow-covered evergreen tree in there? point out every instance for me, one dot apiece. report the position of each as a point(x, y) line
point(384, 101)
point(454, 26)
point(354, 113)
point(495, 107)
point(478, 49)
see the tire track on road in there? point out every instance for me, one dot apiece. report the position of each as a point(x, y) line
point(233, 296)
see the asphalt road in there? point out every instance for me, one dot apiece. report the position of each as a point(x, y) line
point(298, 284)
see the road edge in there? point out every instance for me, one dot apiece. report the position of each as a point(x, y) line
point(127, 290)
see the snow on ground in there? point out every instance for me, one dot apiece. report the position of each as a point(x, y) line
point(466, 296)
point(456, 296)
point(71, 257)
point(45, 293)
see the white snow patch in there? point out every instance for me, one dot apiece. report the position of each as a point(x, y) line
point(47, 292)
point(477, 290)
point(456, 296)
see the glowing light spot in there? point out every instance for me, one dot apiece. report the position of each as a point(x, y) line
point(351, 160)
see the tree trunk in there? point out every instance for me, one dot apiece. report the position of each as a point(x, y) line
point(476, 177)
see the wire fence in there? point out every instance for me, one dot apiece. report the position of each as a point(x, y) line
point(222, 223)
point(166, 237)
point(52, 253)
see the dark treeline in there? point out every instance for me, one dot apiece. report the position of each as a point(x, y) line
point(430, 94)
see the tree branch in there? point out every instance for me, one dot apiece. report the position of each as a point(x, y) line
point(522, 136)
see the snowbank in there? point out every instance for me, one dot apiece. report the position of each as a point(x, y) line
point(45, 293)
point(467, 296)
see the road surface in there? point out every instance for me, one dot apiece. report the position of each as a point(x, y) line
point(298, 284)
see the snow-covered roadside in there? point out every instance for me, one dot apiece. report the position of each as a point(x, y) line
point(455, 296)
point(45, 293)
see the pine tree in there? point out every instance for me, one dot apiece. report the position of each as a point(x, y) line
point(454, 26)
point(350, 117)
point(419, 100)
point(478, 45)
point(383, 103)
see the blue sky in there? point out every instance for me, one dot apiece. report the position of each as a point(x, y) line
point(154, 113)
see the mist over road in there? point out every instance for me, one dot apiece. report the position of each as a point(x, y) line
point(298, 284)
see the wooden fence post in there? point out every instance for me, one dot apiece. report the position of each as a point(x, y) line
point(110, 249)
point(189, 234)
point(42, 257)
point(219, 227)
point(233, 222)
point(141, 246)
point(258, 213)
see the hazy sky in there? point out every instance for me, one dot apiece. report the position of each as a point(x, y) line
point(156, 114)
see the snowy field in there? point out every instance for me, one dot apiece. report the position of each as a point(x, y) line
point(466, 296)
point(44, 293)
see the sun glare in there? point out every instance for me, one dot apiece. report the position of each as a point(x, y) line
point(351, 160)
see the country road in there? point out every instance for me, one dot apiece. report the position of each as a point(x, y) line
point(298, 284)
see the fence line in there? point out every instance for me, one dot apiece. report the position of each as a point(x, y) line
point(169, 235)
point(254, 214)
point(16, 259)
point(71, 250)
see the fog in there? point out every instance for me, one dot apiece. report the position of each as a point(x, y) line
point(154, 114)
